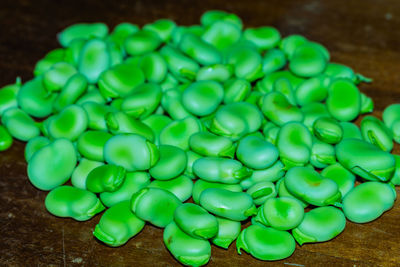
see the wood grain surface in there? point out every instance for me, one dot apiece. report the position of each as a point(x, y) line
point(363, 34)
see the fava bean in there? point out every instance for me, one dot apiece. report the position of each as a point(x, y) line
point(80, 173)
point(94, 59)
point(208, 144)
point(172, 162)
point(256, 153)
point(5, 139)
point(31, 147)
point(270, 174)
point(262, 191)
point(228, 231)
point(105, 178)
point(341, 176)
point(82, 31)
point(391, 118)
point(375, 132)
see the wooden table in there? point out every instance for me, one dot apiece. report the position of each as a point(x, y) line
point(362, 34)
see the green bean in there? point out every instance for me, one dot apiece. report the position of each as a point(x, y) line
point(344, 100)
point(391, 118)
point(196, 221)
point(328, 130)
point(294, 144)
point(228, 231)
point(105, 178)
point(72, 90)
point(265, 38)
point(34, 99)
point(307, 60)
point(283, 192)
point(368, 201)
point(48, 168)
point(186, 249)
point(312, 112)
point(96, 114)
point(117, 225)
point(181, 66)
point(236, 90)
point(171, 101)
point(121, 80)
point(267, 84)
point(262, 191)
point(211, 16)
point(19, 124)
point(336, 70)
point(265, 243)
point(191, 158)
point(133, 182)
point(94, 59)
point(277, 109)
point(155, 205)
point(91, 96)
point(367, 105)
point(273, 60)
point(236, 120)
point(70, 123)
point(256, 153)
point(322, 154)
point(375, 132)
point(355, 155)
point(237, 206)
point(162, 27)
point(308, 185)
point(131, 151)
point(201, 185)
point(178, 132)
point(202, 98)
point(68, 201)
point(204, 53)
point(395, 180)
point(157, 123)
point(208, 144)
point(270, 174)
point(283, 86)
point(247, 63)
point(222, 170)
point(341, 176)
point(90, 144)
point(120, 123)
point(8, 96)
point(350, 130)
point(320, 225)
point(71, 55)
point(57, 76)
point(121, 32)
point(290, 43)
point(216, 72)
point(80, 173)
point(313, 90)
point(222, 34)
point(180, 186)
point(31, 147)
point(282, 213)
point(141, 42)
point(143, 102)
point(154, 67)
point(82, 31)
point(172, 162)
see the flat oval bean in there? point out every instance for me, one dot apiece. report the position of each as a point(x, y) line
point(256, 153)
point(171, 101)
point(208, 144)
point(320, 225)
point(105, 178)
point(201, 185)
point(237, 206)
point(199, 50)
point(368, 201)
point(121, 32)
point(19, 124)
point(155, 205)
point(72, 90)
point(270, 174)
point(294, 144)
point(290, 43)
point(395, 180)
point(119, 122)
point(247, 63)
point(55, 78)
point(5, 139)
point(283, 86)
point(307, 60)
point(31, 147)
point(191, 158)
point(117, 225)
point(228, 231)
point(344, 100)
point(141, 42)
point(310, 186)
point(186, 249)
point(283, 192)
point(68, 201)
point(265, 243)
point(215, 72)
point(154, 67)
point(181, 186)
point(172, 162)
point(273, 60)
point(355, 155)
point(181, 66)
point(8, 96)
point(282, 213)
point(341, 176)
point(350, 130)
point(82, 31)
point(162, 27)
point(262, 191)
point(131, 151)
point(96, 114)
point(236, 90)
point(375, 132)
point(94, 59)
point(266, 84)
point(91, 144)
point(222, 34)
point(313, 90)
point(80, 173)
point(133, 182)
point(328, 130)
point(322, 154)
point(196, 221)
point(221, 170)
point(312, 112)
point(264, 38)
point(391, 118)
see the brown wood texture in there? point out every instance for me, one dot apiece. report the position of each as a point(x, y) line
point(363, 34)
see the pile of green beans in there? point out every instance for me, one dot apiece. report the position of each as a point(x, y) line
point(241, 124)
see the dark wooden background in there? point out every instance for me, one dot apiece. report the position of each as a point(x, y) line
point(362, 34)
